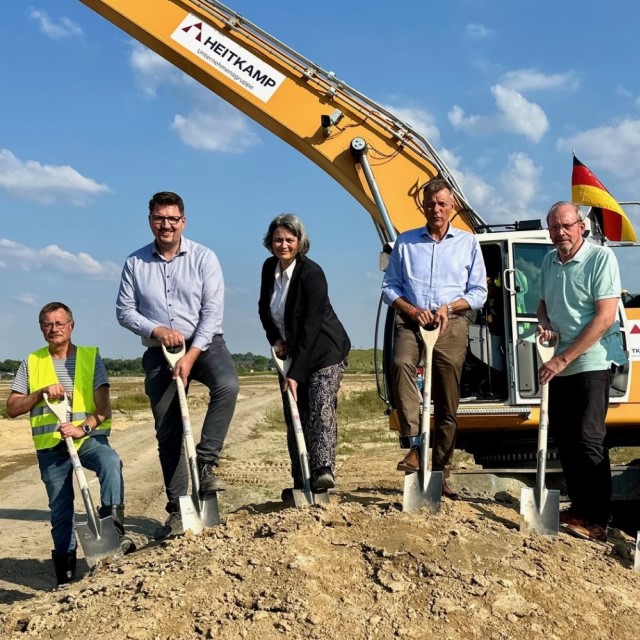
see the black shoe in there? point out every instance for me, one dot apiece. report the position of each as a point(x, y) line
point(323, 479)
point(64, 565)
point(171, 527)
point(127, 545)
point(116, 511)
point(209, 483)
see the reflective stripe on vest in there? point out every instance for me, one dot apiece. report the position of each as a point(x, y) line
point(44, 425)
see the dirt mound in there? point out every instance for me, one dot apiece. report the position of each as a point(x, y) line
point(357, 569)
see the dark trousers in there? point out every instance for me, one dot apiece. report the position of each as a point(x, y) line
point(448, 358)
point(216, 370)
point(317, 405)
point(577, 410)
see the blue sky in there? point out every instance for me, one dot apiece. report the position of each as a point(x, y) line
point(93, 124)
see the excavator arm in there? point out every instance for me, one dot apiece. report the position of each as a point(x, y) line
point(379, 160)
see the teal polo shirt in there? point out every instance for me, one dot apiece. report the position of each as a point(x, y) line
point(570, 292)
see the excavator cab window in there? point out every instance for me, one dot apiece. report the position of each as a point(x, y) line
point(523, 284)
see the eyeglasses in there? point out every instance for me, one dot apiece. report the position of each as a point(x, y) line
point(47, 326)
point(172, 220)
point(554, 228)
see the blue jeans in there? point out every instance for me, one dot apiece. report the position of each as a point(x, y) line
point(216, 370)
point(56, 472)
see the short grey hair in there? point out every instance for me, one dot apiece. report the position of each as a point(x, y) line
point(51, 307)
point(563, 203)
point(293, 224)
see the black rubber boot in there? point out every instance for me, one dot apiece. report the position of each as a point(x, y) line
point(65, 566)
point(116, 511)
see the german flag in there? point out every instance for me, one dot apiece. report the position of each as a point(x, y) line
point(587, 190)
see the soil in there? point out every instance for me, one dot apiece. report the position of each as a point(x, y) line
point(358, 568)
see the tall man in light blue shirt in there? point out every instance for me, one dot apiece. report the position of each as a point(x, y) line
point(580, 289)
point(172, 292)
point(436, 274)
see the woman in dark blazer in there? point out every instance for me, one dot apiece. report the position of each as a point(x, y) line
point(301, 324)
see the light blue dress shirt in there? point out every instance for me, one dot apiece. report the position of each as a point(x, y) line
point(430, 273)
point(185, 293)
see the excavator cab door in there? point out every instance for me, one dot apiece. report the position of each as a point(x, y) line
point(522, 286)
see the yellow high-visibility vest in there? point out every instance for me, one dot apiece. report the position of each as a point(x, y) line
point(44, 425)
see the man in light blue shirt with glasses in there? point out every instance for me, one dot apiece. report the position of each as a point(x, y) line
point(436, 275)
point(172, 292)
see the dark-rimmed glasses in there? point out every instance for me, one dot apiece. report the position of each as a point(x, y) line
point(172, 220)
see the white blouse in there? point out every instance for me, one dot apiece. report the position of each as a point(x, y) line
point(279, 296)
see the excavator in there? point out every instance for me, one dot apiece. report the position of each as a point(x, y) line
point(383, 163)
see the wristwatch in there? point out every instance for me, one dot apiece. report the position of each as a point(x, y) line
point(450, 310)
point(87, 429)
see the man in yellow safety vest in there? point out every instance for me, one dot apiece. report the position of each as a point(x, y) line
point(62, 367)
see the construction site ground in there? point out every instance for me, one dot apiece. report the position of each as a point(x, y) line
point(359, 568)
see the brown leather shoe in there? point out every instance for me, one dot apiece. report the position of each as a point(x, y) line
point(568, 518)
point(411, 462)
point(586, 531)
point(448, 491)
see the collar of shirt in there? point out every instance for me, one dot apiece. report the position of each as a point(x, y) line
point(579, 256)
point(181, 251)
point(427, 234)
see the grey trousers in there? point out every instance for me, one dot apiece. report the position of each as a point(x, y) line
point(216, 370)
point(448, 358)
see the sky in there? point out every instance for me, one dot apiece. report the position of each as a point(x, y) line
point(93, 124)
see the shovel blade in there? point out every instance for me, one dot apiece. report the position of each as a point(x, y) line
point(198, 514)
point(636, 561)
point(101, 544)
point(422, 490)
point(543, 518)
point(304, 498)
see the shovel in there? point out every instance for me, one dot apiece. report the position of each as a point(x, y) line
point(636, 557)
point(424, 488)
point(305, 496)
point(197, 511)
point(99, 537)
point(539, 507)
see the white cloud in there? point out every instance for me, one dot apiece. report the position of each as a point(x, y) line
point(211, 124)
point(63, 28)
point(533, 80)
point(45, 183)
point(419, 119)
point(621, 90)
point(518, 183)
point(26, 298)
point(477, 31)
point(53, 258)
point(515, 115)
point(151, 71)
point(222, 128)
point(615, 147)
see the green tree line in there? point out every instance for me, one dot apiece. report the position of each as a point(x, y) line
point(360, 361)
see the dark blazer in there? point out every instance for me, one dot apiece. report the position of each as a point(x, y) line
point(315, 337)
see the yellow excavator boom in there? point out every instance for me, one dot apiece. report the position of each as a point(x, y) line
point(307, 107)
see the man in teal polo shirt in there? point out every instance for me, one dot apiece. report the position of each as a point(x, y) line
point(580, 289)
